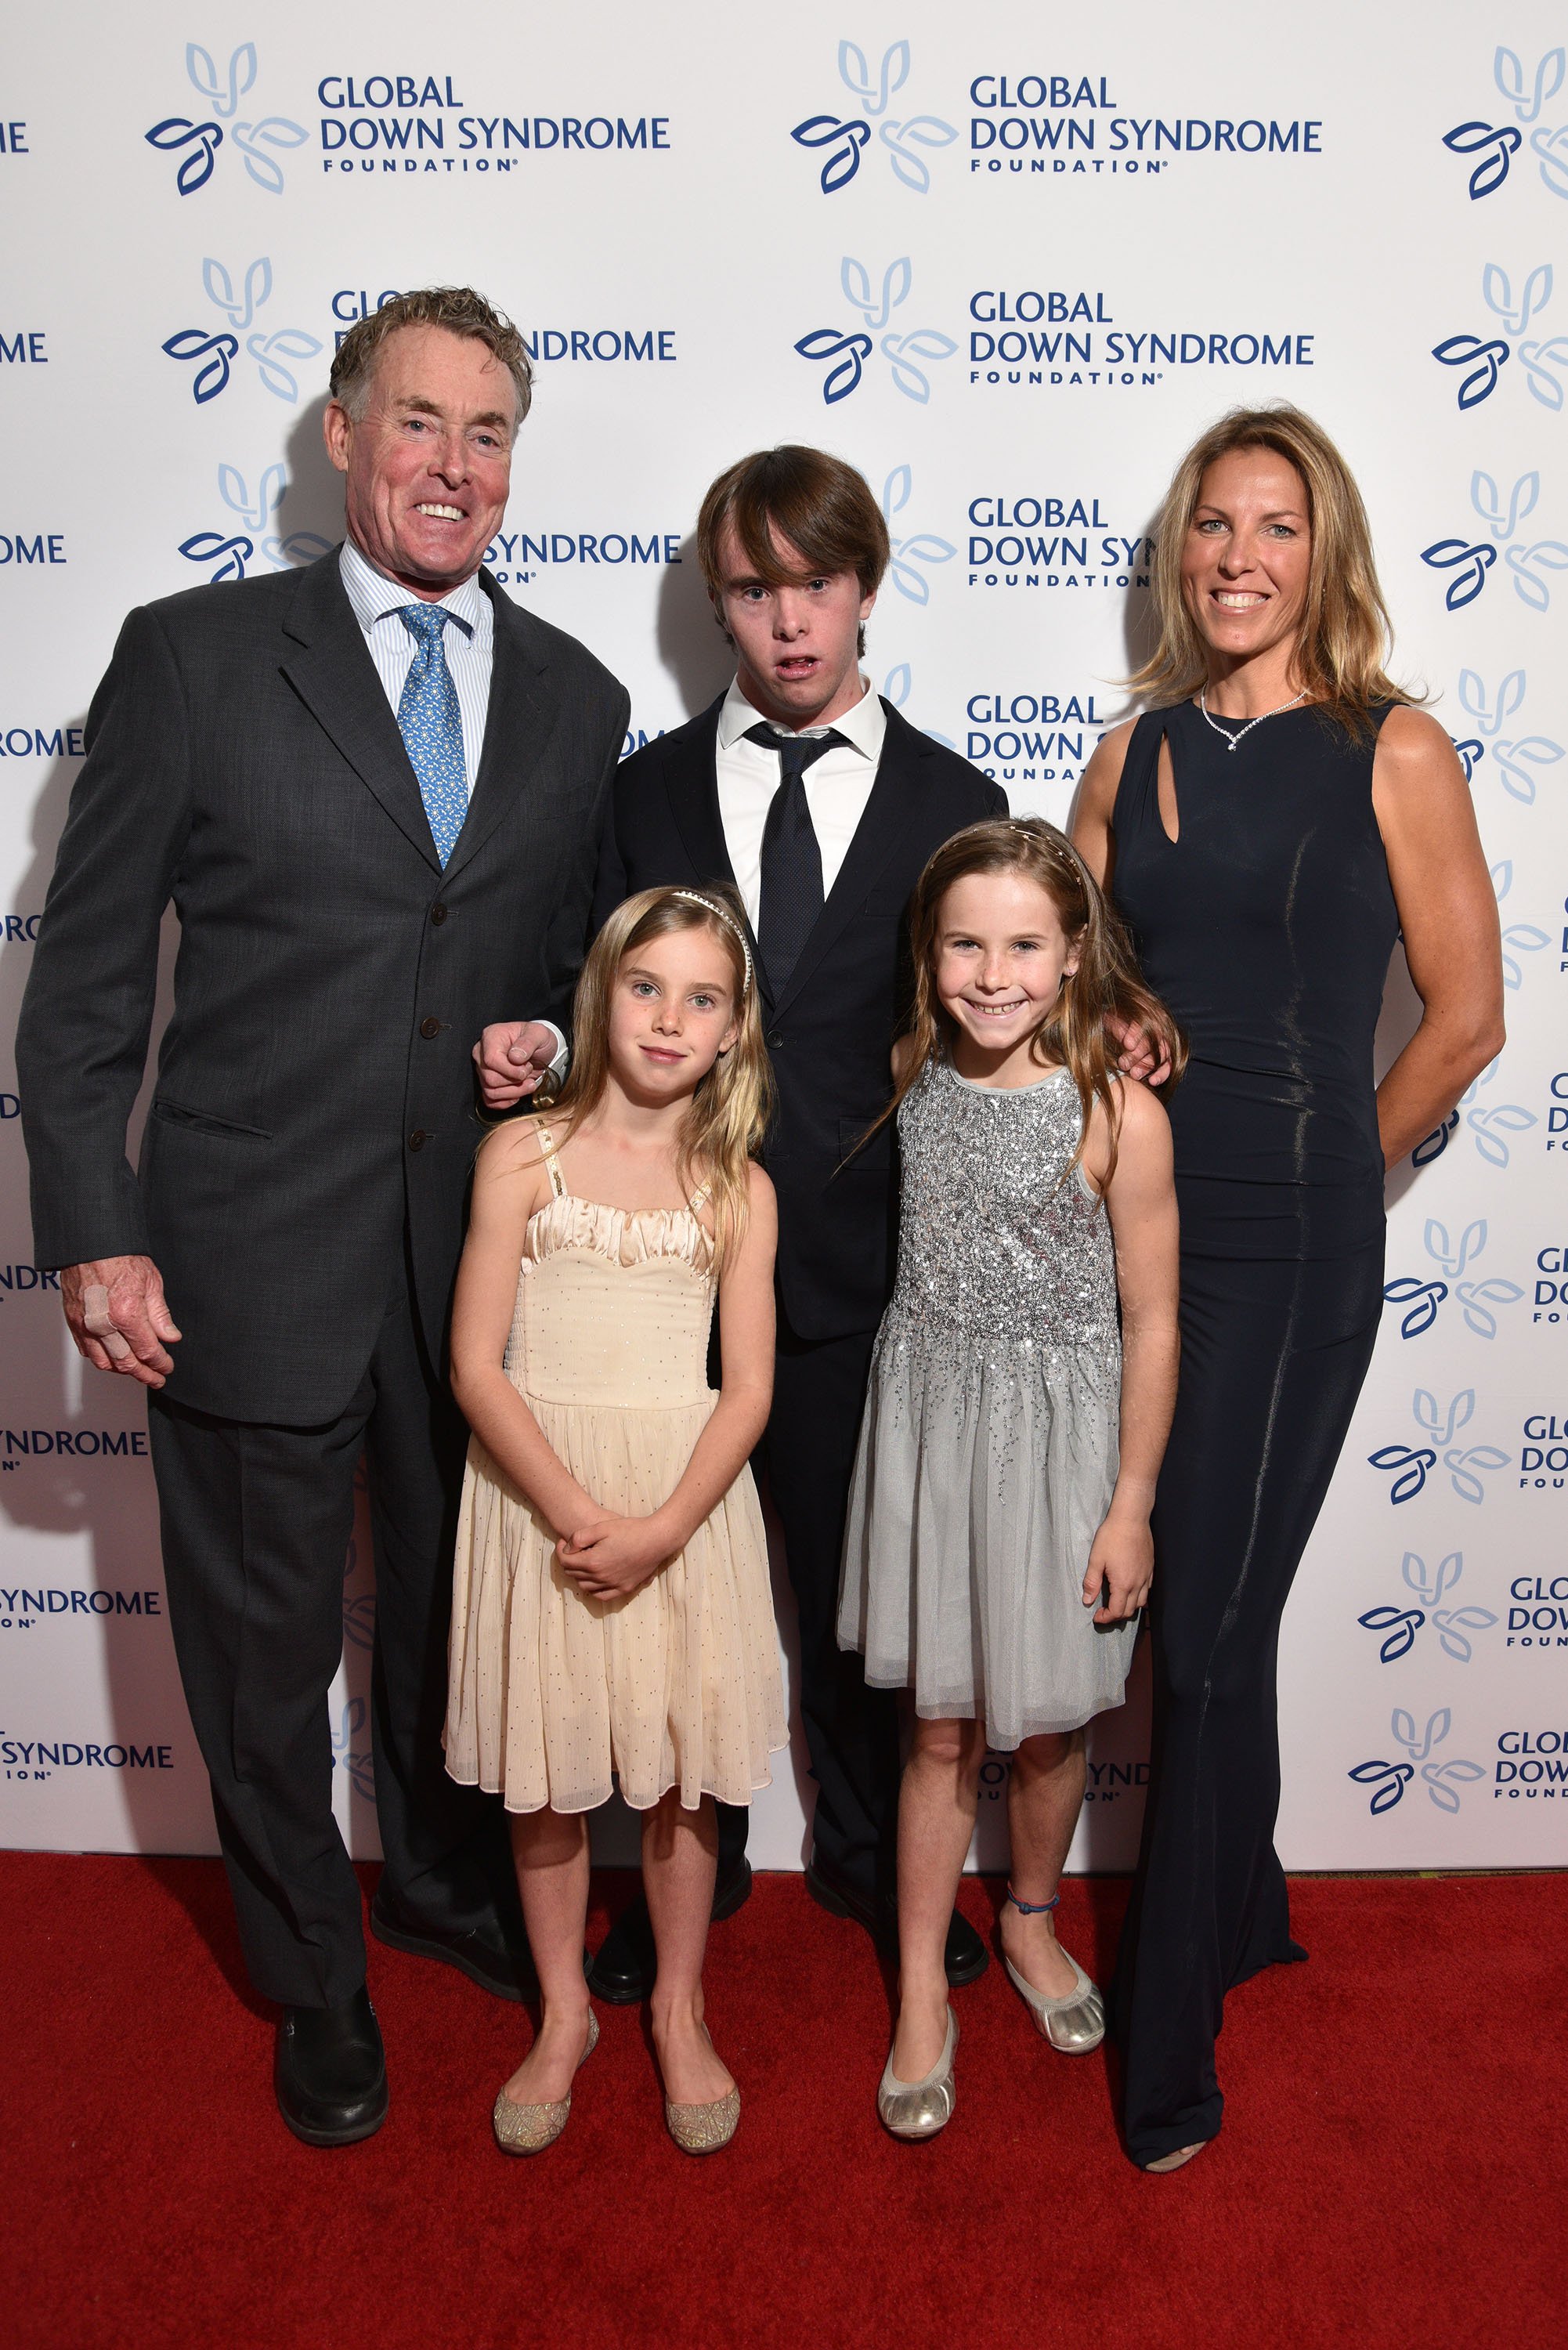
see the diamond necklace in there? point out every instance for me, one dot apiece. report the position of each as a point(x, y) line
point(1224, 734)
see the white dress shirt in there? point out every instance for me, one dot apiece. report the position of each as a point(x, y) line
point(469, 644)
point(838, 787)
point(469, 649)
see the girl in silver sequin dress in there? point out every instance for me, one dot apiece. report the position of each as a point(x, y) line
point(997, 1546)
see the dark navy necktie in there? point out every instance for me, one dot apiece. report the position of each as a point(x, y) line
point(790, 896)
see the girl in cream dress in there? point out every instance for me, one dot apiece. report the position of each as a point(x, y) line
point(612, 1615)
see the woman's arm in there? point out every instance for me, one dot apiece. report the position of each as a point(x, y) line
point(1448, 912)
point(1091, 823)
point(1140, 1199)
point(614, 1555)
point(509, 1184)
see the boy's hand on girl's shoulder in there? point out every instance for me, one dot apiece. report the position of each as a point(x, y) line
point(1120, 1570)
point(610, 1557)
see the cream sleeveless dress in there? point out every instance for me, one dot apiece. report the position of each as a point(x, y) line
point(551, 1694)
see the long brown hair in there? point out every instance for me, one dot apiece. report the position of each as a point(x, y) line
point(729, 1113)
point(1105, 985)
point(1344, 633)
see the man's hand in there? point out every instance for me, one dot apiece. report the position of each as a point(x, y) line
point(1137, 1058)
point(611, 1557)
point(116, 1312)
point(1120, 1570)
point(512, 1057)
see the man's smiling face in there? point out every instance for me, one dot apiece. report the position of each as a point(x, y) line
point(428, 461)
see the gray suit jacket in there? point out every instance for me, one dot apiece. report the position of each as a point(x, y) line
point(315, 1090)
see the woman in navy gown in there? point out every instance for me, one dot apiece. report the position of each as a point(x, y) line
point(1281, 815)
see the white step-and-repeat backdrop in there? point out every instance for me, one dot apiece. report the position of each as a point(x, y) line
point(1008, 261)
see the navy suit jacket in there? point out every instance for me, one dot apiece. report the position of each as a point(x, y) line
point(831, 1031)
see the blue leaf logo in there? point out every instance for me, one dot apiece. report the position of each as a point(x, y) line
point(205, 138)
point(1421, 1297)
point(1448, 554)
point(1462, 350)
point(1495, 148)
point(851, 351)
point(190, 344)
point(1528, 100)
point(1411, 1468)
point(1435, 1143)
point(1401, 1625)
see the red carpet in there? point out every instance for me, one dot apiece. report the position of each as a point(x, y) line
point(1392, 2171)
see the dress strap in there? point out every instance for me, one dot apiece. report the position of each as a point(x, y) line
point(547, 1147)
point(699, 1197)
point(1137, 787)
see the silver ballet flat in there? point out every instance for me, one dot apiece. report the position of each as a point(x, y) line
point(1076, 2023)
point(919, 2108)
point(529, 2129)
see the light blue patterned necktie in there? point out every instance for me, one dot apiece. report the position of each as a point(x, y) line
point(432, 725)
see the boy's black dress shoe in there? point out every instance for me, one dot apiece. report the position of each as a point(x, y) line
point(966, 1957)
point(624, 1967)
point(329, 2071)
point(489, 1964)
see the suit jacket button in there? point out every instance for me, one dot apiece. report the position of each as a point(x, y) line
point(776, 1043)
point(429, 1027)
point(418, 1139)
point(438, 915)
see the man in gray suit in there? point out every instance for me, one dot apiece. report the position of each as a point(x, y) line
point(373, 790)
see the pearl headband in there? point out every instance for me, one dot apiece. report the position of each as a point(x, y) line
point(722, 913)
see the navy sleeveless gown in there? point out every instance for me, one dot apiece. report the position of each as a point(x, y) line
point(1267, 926)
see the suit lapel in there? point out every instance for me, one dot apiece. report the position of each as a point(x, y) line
point(691, 788)
point(517, 725)
point(328, 664)
point(899, 779)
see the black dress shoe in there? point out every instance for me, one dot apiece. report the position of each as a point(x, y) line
point(491, 1965)
point(624, 1964)
point(329, 2071)
point(966, 1957)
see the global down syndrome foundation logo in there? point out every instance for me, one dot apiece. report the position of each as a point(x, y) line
point(1490, 148)
point(1515, 759)
point(1443, 1780)
point(845, 355)
point(1484, 359)
point(843, 141)
point(196, 143)
point(1409, 1466)
point(1397, 1627)
point(1528, 562)
point(1478, 1300)
point(212, 353)
point(228, 552)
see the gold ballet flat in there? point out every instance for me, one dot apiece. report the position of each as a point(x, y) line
point(915, 2109)
point(1075, 2024)
point(529, 2129)
point(703, 2129)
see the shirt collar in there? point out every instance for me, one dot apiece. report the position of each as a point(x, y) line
point(373, 596)
point(862, 728)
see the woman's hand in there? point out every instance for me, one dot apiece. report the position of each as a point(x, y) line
point(609, 1557)
point(1121, 1568)
point(1140, 1054)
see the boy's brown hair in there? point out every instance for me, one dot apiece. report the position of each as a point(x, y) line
point(820, 505)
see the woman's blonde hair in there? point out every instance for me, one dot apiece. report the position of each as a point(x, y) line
point(1344, 631)
point(729, 1113)
point(1105, 985)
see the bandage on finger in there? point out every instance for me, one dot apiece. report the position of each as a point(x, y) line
point(98, 1322)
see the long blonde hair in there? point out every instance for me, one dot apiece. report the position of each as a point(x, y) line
point(729, 1113)
point(1344, 633)
point(1107, 983)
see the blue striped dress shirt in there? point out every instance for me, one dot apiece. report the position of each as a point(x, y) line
point(469, 644)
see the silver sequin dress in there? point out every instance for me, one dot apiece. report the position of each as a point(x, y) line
point(987, 1454)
